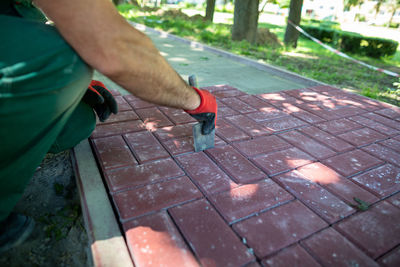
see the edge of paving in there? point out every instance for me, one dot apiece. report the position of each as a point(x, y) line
point(107, 245)
point(244, 60)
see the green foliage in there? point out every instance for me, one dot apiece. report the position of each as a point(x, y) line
point(59, 189)
point(308, 59)
point(126, 8)
point(354, 42)
point(362, 205)
point(326, 35)
point(58, 224)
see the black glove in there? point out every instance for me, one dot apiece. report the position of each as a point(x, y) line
point(101, 100)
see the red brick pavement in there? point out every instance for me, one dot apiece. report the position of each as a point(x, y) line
point(279, 189)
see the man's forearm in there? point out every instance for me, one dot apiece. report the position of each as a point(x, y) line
point(109, 44)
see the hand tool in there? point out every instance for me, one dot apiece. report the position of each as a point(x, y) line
point(201, 141)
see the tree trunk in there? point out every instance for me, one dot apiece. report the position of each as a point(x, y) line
point(210, 10)
point(118, 2)
point(245, 20)
point(291, 34)
point(391, 17)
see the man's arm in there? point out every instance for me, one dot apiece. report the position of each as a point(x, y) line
point(112, 46)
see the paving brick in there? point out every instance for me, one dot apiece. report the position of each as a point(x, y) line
point(249, 126)
point(145, 146)
point(115, 92)
point(383, 153)
point(283, 124)
point(327, 139)
point(237, 166)
point(395, 200)
point(205, 173)
point(211, 239)
point(138, 175)
point(352, 162)
point(121, 116)
point(391, 113)
point(228, 132)
point(294, 256)
point(304, 115)
point(392, 259)
point(373, 230)
point(278, 228)
point(383, 181)
point(362, 137)
point(153, 118)
point(277, 99)
point(388, 122)
point(254, 101)
point(228, 93)
point(308, 145)
point(267, 113)
point(225, 111)
point(118, 128)
point(338, 126)
point(113, 152)
point(369, 103)
point(172, 132)
point(392, 144)
point(321, 201)
point(253, 264)
point(305, 94)
point(379, 127)
point(327, 114)
point(249, 199)
point(347, 111)
point(335, 183)
point(179, 145)
point(261, 145)
point(281, 161)
point(238, 105)
point(332, 249)
point(154, 240)
point(154, 197)
point(137, 103)
point(122, 104)
point(177, 116)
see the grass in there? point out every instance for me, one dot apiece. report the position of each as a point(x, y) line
point(308, 59)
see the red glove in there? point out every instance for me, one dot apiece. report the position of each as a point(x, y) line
point(101, 100)
point(206, 113)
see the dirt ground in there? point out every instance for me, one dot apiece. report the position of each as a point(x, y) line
point(59, 237)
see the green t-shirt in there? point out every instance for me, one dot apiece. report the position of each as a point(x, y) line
point(21, 8)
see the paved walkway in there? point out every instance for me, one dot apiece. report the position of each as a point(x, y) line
point(212, 69)
point(307, 176)
point(278, 188)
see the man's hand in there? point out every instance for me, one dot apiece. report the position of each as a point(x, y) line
point(206, 113)
point(101, 100)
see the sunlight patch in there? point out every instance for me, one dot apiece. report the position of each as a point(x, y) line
point(301, 55)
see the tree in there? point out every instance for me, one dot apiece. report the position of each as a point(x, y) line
point(118, 2)
point(265, 3)
point(349, 3)
point(245, 20)
point(291, 34)
point(394, 5)
point(378, 6)
point(210, 10)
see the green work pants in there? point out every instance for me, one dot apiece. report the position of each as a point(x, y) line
point(42, 82)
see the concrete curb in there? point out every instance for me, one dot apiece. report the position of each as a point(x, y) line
point(107, 245)
point(244, 60)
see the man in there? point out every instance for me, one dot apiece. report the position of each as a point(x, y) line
point(44, 74)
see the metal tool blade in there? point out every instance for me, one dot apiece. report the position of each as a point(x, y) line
point(202, 141)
